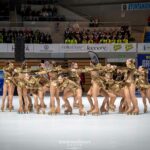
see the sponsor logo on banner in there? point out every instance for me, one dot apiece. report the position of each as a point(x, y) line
point(144, 47)
point(128, 47)
point(147, 47)
point(1, 81)
point(144, 60)
point(138, 6)
point(117, 47)
point(11, 48)
point(97, 47)
point(3, 47)
point(46, 48)
point(65, 48)
point(29, 48)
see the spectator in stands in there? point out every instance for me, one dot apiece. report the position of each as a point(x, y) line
point(84, 40)
point(108, 39)
point(96, 38)
point(113, 40)
point(78, 38)
point(125, 39)
point(91, 24)
point(67, 40)
point(119, 38)
point(94, 22)
point(73, 40)
point(90, 37)
point(48, 39)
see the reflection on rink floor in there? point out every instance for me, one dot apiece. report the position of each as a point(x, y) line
point(73, 132)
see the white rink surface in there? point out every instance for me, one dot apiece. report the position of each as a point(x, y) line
point(111, 131)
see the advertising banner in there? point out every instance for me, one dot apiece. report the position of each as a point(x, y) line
point(143, 48)
point(80, 48)
point(29, 48)
point(3, 47)
point(144, 60)
point(72, 48)
point(138, 6)
point(11, 48)
point(1, 82)
point(119, 47)
point(46, 48)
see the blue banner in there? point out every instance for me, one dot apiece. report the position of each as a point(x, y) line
point(144, 60)
point(138, 6)
point(1, 82)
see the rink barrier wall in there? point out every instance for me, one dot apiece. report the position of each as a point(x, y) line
point(76, 50)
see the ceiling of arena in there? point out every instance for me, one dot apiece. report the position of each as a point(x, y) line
point(86, 2)
point(96, 2)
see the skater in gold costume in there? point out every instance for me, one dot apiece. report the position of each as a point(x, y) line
point(69, 89)
point(131, 86)
point(8, 87)
point(19, 75)
point(143, 85)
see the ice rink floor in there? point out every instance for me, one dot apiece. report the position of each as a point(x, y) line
point(111, 131)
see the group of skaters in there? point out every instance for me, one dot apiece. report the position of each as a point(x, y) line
point(108, 81)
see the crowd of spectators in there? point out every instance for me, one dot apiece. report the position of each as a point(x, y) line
point(77, 35)
point(29, 36)
point(4, 12)
point(47, 13)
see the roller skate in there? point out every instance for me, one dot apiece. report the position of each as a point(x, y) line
point(52, 111)
point(68, 111)
point(57, 111)
point(135, 111)
point(10, 108)
point(90, 111)
point(20, 110)
point(103, 110)
point(112, 108)
point(82, 112)
point(145, 109)
point(129, 111)
point(95, 112)
point(2, 108)
point(26, 110)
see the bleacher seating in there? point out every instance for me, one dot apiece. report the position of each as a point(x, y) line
point(30, 36)
point(76, 35)
point(45, 13)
